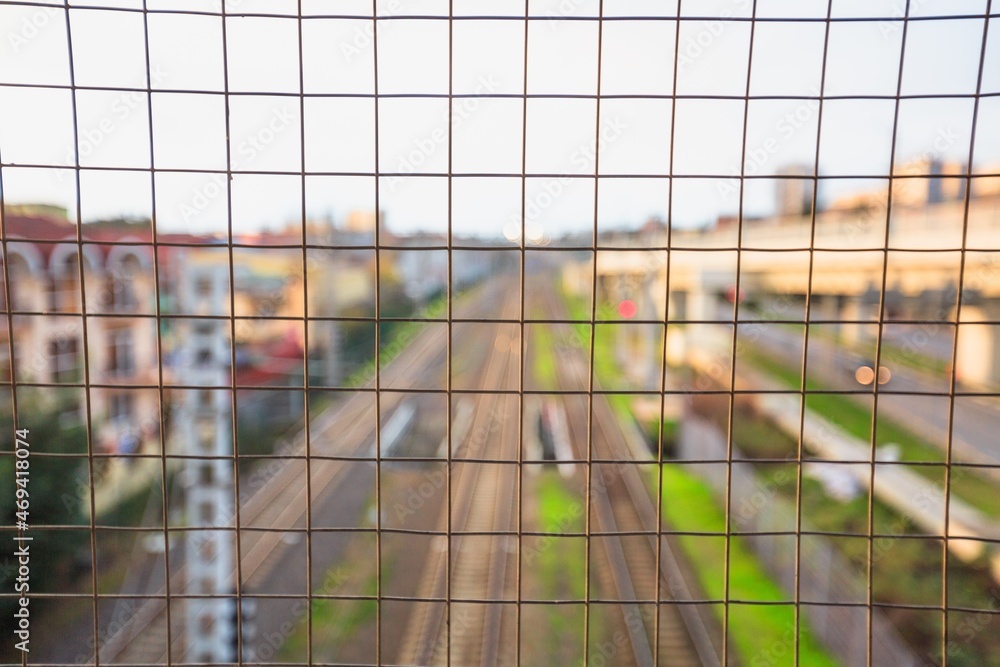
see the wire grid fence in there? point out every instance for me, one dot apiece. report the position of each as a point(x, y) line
point(796, 575)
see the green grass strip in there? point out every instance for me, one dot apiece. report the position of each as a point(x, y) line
point(762, 634)
point(560, 560)
point(855, 419)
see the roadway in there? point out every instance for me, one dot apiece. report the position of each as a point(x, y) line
point(911, 398)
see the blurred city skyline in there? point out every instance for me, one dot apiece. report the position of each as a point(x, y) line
point(941, 58)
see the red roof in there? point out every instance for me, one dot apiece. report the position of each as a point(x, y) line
point(43, 231)
point(38, 227)
point(283, 357)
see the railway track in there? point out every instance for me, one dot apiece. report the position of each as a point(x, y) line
point(476, 572)
point(472, 579)
point(281, 502)
point(632, 559)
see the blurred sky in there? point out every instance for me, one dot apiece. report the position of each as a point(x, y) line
point(189, 127)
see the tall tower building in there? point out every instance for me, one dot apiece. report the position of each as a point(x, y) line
point(206, 423)
point(794, 195)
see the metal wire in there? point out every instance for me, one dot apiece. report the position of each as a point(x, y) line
point(953, 375)
point(83, 310)
point(158, 315)
point(805, 347)
point(597, 448)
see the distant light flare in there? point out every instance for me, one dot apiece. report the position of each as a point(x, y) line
point(627, 309)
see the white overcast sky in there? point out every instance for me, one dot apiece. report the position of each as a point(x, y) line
point(186, 54)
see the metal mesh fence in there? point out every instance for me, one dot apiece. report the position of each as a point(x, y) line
point(522, 333)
